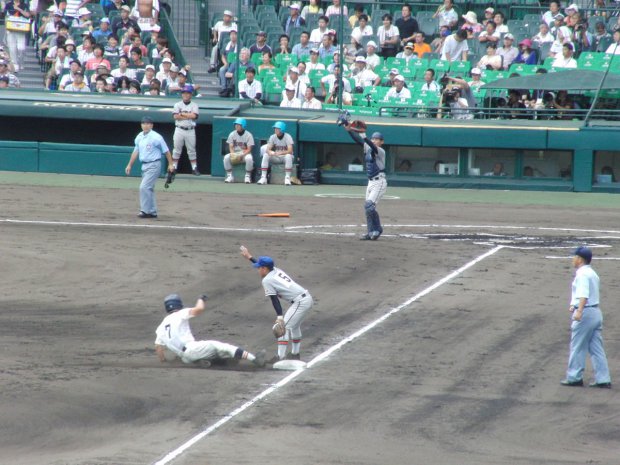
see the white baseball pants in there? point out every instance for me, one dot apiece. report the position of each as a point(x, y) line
point(207, 350)
point(184, 137)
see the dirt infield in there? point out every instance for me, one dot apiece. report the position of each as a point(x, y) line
point(467, 374)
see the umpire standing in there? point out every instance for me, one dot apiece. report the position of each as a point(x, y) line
point(185, 114)
point(374, 157)
point(149, 146)
point(586, 325)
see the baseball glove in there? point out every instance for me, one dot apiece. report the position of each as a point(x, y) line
point(357, 126)
point(279, 328)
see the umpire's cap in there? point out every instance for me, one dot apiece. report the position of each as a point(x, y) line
point(280, 125)
point(264, 261)
point(241, 121)
point(376, 135)
point(147, 120)
point(585, 253)
point(173, 302)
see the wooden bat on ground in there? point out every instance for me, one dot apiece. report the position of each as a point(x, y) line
point(271, 215)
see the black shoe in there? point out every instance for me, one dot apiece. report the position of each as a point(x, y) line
point(566, 382)
point(195, 172)
point(601, 385)
point(212, 70)
point(147, 215)
point(274, 359)
point(293, 357)
point(365, 237)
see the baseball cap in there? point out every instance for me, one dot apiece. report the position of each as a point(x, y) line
point(83, 11)
point(183, 72)
point(86, 32)
point(174, 69)
point(294, 69)
point(371, 43)
point(149, 67)
point(489, 10)
point(166, 60)
point(476, 71)
point(399, 77)
point(572, 6)
point(292, 89)
point(103, 65)
point(409, 45)
point(509, 36)
point(394, 71)
point(105, 20)
point(360, 59)
point(559, 16)
point(70, 42)
point(147, 120)
point(261, 33)
point(126, 8)
point(376, 135)
point(526, 42)
point(584, 252)
point(315, 51)
point(189, 89)
point(264, 261)
point(294, 6)
point(228, 13)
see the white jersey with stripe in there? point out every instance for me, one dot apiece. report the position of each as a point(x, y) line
point(277, 282)
point(240, 142)
point(278, 144)
point(174, 331)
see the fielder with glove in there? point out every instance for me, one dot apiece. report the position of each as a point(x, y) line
point(374, 157)
point(278, 284)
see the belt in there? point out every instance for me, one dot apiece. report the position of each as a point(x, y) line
point(147, 162)
point(590, 306)
point(377, 177)
point(301, 296)
point(185, 129)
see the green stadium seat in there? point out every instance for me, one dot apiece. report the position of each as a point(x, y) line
point(460, 67)
point(522, 69)
point(440, 66)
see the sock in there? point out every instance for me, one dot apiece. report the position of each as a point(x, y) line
point(194, 165)
point(282, 345)
point(263, 173)
point(296, 346)
point(250, 357)
point(175, 163)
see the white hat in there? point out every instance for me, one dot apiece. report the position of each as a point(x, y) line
point(394, 71)
point(228, 13)
point(156, 28)
point(489, 10)
point(572, 6)
point(149, 67)
point(509, 36)
point(476, 71)
point(290, 88)
point(69, 41)
point(105, 20)
point(294, 69)
point(174, 69)
point(399, 77)
point(360, 59)
point(295, 6)
point(126, 8)
point(409, 45)
point(471, 17)
point(166, 60)
point(371, 43)
point(83, 11)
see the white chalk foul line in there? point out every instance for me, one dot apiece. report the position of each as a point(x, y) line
point(319, 358)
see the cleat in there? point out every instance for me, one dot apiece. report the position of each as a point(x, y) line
point(202, 363)
point(262, 181)
point(248, 179)
point(365, 237)
point(287, 181)
point(229, 178)
point(374, 235)
point(195, 172)
point(259, 361)
point(566, 382)
point(212, 70)
point(600, 385)
point(274, 359)
point(147, 215)
point(293, 357)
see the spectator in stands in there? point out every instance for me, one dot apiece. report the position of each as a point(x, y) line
point(334, 9)
point(388, 80)
point(303, 47)
point(283, 45)
point(407, 25)
point(333, 97)
point(372, 59)
point(231, 47)
point(61, 63)
point(558, 22)
point(181, 83)
point(549, 16)
point(316, 36)
point(459, 105)
point(122, 85)
point(526, 54)
point(516, 105)
point(472, 26)
point(74, 67)
point(16, 40)
point(228, 74)
point(447, 15)
point(489, 13)
point(97, 59)
point(455, 47)
point(437, 43)
point(314, 62)
point(123, 22)
point(499, 20)
point(172, 78)
point(389, 37)
point(430, 85)
point(562, 36)
point(407, 53)
point(78, 84)
point(498, 170)
point(103, 31)
point(614, 48)
point(476, 80)
point(601, 37)
point(134, 88)
point(363, 29)
point(4, 82)
point(508, 52)
point(71, 9)
point(327, 47)
point(563, 102)
point(154, 88)
point(314, 8)
point(420, 48)
point(332, 79)
point(100, 85)
point(112, 49)
point(491, 60)
point(112, 5)
point(5, 74)
point(352, 50)
point(123, 69)
point(303, 76)
point(250, 88)
point(310, 102)
point(83, 21)
point(399, 91)
point(363, 76)
point(289, 100)
point(135, 42)
point(136, 58)
point(583, 38)
point(294, 18)
point(164, 69)
point(149, 75)
point(86, 51)
point(260, 45)
point(566, 60)
point(266, 62)
point(571, 11)
point(490, 34)
point(357, 13)
point(292, 80)
point(49, 24)
point(543, 36)
point(146, 19)
point(336, 63)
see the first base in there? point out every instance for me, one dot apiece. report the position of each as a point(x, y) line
point(289, 365)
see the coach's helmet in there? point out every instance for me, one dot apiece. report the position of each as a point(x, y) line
point(280, 125)
point(241, 121)
point(173, 302)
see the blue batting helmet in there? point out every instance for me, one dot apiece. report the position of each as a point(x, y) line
point(280, 125)
point(173, 302)
point(377, 135)
point(241, 121)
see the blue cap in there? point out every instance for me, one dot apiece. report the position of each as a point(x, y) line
point(376, 135)
point(584, 252)
point(147, 119)
point(280, 125)
point(241, 121)
point(264, 261)
point(188, 88)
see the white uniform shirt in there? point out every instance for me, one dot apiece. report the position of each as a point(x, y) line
point(430, 86)
point(313, 104)
point(277, 144)
point(292, 103)
point(277, 282)
point(221, 27)
point(117, 73)
point(365, 78)
point(300, 88)
point(372, 61)
point(393, 93)
point(310, 66)
point(240, 142)
point(330, 80)
point(174, 331)
point(384, 34)
point(446, 17)
point(561, 62)
point(316, 36)
point(454, 48)
point(358, 33)
point(251, 89)
point(586, 284)
point(182, 107)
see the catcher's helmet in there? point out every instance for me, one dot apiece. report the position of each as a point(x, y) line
point(280, 125)
point(173, 302)
point(241, 121)
point(377, 135)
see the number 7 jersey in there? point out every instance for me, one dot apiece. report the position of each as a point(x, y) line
point(277, 282)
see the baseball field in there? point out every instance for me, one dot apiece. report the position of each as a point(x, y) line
point(441, 343)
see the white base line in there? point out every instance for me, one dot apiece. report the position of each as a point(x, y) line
point(568, 257)
point(319, 358)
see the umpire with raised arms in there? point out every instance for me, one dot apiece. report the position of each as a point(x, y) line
point(149, 147)
point(374, 157)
